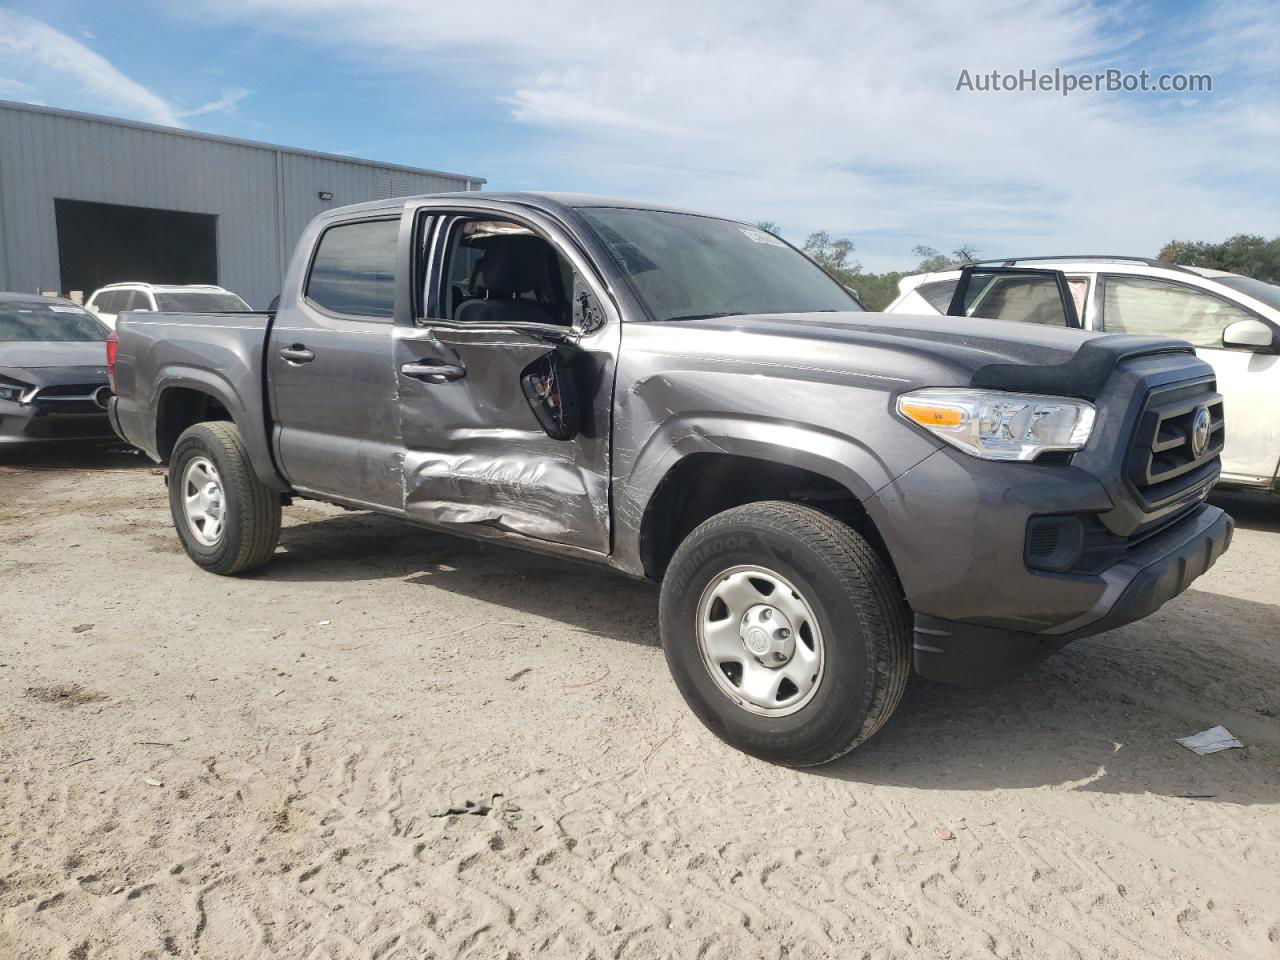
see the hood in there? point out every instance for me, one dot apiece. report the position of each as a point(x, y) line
point(49, 364)
point(920, 350)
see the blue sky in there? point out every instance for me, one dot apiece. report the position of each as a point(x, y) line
point(826, 115)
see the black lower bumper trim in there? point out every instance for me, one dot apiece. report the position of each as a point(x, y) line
point(953, 651)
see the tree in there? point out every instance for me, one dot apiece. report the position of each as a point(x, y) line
point(768, 226)
point(1245, 253)
point(877, 290)
point(931, 261)
point(833, 256)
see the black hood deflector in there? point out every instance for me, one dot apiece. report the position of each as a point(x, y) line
point(1084, 375)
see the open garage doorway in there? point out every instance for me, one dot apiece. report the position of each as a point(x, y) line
point(101, 243)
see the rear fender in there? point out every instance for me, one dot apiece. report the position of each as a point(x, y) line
point(251, 424)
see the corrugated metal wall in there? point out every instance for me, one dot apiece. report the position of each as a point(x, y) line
point(262, 195)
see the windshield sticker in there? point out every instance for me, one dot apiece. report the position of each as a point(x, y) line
point(58, 309)
point(759, 236)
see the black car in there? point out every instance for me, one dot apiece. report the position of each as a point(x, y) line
point(53, 374)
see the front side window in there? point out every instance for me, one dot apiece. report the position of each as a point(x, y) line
point(501, 272)
point(354, 270)
point(1144, 306)
point(687, 267)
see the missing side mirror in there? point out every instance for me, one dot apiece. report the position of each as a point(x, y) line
point(552, 391)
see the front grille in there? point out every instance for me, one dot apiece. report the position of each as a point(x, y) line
point(1163, 463)
point(68, 390)
point(72, 398)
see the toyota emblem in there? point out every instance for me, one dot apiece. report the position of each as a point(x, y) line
point(1200, 427)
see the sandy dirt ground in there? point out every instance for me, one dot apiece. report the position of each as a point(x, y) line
point(262, 767)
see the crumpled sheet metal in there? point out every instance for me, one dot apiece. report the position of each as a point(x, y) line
point(541, 497)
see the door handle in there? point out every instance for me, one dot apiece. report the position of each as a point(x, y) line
point(433, 371)
point(297, 353)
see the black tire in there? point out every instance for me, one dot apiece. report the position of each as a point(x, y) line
point(855, 599)
point(251, 524)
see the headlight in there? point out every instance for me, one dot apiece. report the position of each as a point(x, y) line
point(12, 389)
point(996, 425)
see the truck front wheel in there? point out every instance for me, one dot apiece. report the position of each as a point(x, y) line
point(786, 633)
point(227, 519)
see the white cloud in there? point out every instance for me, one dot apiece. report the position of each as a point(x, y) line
point(223, 104)
point(845, 116)
point(63, 69)
point(55, 68)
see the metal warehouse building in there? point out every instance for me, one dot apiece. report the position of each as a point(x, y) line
point(88, 200)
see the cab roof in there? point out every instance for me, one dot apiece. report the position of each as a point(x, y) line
point(548, 202)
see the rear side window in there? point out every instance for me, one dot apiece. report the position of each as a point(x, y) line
point(1028, 299)
point(188, 301)
point(938, 294)
point(354, 270)
point(108, 301)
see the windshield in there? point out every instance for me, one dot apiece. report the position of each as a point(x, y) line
point(198, 301)
point(1268, 293)
point(686, 267)
point(48, 322)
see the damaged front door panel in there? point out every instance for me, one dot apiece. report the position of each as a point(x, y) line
point(552, 391)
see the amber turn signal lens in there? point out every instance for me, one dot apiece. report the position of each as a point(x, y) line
point(932, 415)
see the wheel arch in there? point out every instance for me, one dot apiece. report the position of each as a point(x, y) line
point(700, 485)
point(187, 396)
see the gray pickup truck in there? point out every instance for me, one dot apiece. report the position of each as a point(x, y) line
point(825, 495)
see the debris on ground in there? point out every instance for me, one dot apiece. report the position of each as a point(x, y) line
point(65, 694)
point(81, 627)
point(942, 833)
point(476, 808)
point(1210, 741)
point(472, 807)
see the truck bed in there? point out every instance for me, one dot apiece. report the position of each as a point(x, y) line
point(167, 360)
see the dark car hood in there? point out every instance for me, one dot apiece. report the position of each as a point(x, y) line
point(49, 364)
point(994, 353)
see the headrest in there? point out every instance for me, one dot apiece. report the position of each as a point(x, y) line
point(512, 265)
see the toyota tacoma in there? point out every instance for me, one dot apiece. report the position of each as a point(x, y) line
point(827, 497)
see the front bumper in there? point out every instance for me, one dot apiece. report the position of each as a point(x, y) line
point(1156, 572)
point(956, 529)
point(24, 423)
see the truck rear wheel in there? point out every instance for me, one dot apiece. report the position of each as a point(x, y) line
point(786, 633)
point(227, 519)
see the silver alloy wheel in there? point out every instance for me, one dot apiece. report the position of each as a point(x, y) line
point(203, 503)
point(760, 640)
